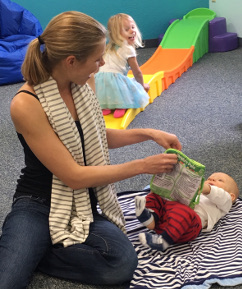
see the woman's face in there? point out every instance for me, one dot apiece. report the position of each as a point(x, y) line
point(83, 71)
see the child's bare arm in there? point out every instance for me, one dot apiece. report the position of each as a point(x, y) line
point(132, 61)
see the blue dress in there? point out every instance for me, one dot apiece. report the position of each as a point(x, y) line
point(114, 89)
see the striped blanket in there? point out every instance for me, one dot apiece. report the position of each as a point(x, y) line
point(214, 257)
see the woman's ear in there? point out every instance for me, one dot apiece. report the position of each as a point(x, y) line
point(70, 60)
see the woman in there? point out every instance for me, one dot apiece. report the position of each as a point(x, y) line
point(54, 225)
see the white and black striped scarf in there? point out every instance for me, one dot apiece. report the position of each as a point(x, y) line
point(71, 213)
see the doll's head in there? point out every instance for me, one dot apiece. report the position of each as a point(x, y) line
point(225, 182)
point(122, 27)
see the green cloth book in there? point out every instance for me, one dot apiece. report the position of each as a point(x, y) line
point(184, 184)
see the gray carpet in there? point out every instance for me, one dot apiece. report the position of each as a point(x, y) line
point(203, 108)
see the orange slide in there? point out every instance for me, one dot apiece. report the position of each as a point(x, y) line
point(172, 61)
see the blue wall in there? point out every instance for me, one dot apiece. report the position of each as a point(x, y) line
point(152, 16)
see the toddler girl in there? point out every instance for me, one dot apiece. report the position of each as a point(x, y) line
point(114, 89)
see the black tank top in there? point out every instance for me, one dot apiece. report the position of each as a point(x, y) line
point(35, 179)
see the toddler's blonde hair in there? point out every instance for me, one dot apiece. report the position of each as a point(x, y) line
point(115, 25)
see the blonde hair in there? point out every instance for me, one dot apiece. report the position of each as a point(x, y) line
point(234, 188)
point(69, 33)
point(115, 25)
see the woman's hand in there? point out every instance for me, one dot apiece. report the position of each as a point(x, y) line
point(167, 140)
point(161, 163)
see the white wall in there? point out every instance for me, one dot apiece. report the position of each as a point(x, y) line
point(232, 11)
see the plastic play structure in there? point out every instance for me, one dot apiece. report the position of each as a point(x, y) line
point(17, 28)
point(219, 39)
point(185, 41)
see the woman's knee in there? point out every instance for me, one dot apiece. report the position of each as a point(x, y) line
point(122, 270)
point(129, 266)
point(124, 264)
point(24, 241)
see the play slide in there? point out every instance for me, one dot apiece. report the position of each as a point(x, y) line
point(184, 42)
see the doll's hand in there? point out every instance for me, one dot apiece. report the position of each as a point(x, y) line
point(206, 189)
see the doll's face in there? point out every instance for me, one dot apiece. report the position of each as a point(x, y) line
point(220, 180)
point(128, 30)
point(225, 182)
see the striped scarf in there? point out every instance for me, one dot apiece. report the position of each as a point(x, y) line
point(70, 212)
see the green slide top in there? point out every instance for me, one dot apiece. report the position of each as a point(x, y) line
point(192, 30)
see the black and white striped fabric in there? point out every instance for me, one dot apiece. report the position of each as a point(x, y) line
point(213, 257)
point(70, 213)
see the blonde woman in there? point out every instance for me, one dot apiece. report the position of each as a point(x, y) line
point(54, 225)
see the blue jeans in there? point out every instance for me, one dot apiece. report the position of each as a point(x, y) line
point(107, 257)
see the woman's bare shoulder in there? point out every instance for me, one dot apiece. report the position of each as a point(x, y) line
point(23, 96)
point(24, 106)
point(25, 88)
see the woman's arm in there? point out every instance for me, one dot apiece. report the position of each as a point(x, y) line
point(120, 138)
point(31, 121)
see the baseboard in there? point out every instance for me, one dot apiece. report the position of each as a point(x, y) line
point(150, 43)
point(240, 41)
